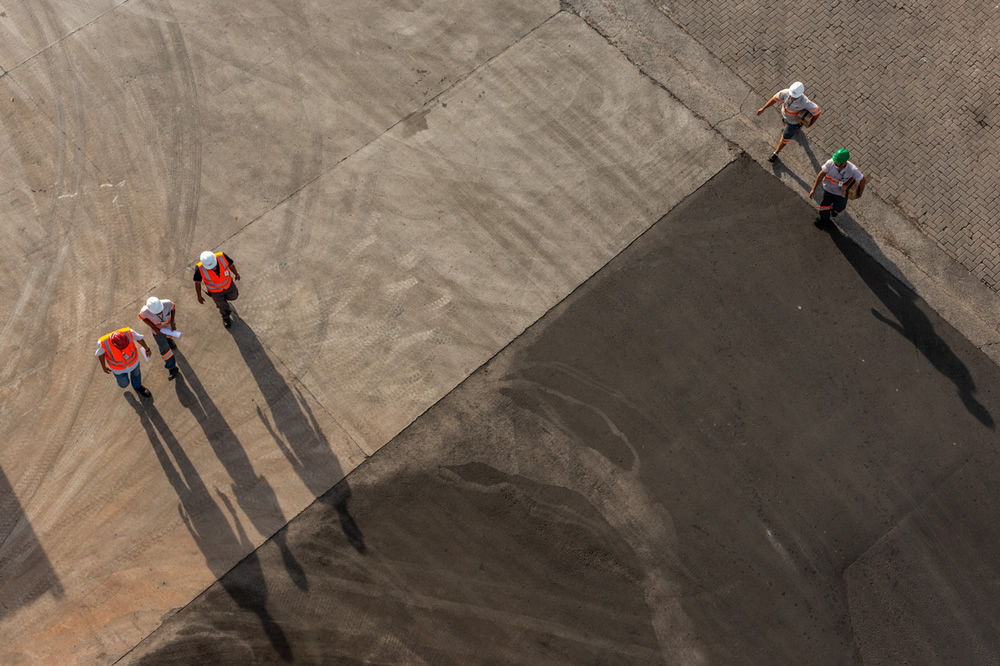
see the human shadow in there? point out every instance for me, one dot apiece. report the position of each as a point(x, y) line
point(25, 571)
point(209, 526)
point(803, 141)
point(779, 168)
point(253, 492)
point(297, 433)
point(906, 317)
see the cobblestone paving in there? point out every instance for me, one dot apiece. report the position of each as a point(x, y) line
point(909, 87)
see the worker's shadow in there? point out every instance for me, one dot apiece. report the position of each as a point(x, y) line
point(906, 317)
point(779, 168)
point(253, 492)
point(803, 142)
point(221, 544)
point(297, 433)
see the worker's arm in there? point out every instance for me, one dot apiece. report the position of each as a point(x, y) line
point(819, 178)
point(142, 343)
point(769, 103)
point(236, 273)
point(197, 291)
point(861, 186)
point(173, 317)
point(104, 365)
point(155, 327)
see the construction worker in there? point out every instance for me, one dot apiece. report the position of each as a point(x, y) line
point(162, 314)
point(119, 356)
point(793, 102)
point(216, 271)
point(837, 171)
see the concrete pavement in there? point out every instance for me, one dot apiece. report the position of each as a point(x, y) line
point(405, 188)
point(741, 442)
point(382, 263)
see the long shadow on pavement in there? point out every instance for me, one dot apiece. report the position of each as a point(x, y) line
point(253, 492)
point(210, 528)
point(27, 572)
point(297, 432)
point(908, 319)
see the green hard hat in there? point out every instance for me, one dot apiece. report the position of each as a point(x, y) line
point(841, 156)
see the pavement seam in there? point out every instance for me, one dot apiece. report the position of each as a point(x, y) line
point(180, 271)
point(66, 36)
point(662, 49)
point(425, 105)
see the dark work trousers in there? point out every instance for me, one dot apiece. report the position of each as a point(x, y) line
point(166, 351)
point(222, 299)
point(833, 202)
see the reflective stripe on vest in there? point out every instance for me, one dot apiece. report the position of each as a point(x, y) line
point(220, 278)
point(119, 359)
point(154, 318)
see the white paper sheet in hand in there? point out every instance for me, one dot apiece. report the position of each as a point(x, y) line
point(169, 331)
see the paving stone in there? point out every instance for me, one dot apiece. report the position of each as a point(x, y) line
point(909, 85)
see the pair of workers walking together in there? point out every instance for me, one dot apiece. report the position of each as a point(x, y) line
point(118, 351)
point(839, 175)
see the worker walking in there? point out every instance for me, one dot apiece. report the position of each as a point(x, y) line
point(119, 356)
point(839, 175)
point(793, 103)
point(159, 314)
point(216, 271)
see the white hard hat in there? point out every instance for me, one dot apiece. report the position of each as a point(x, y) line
point(796, 89)
point(154, 305)
point(208, 259)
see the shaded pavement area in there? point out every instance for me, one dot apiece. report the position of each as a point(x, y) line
point(740, 442)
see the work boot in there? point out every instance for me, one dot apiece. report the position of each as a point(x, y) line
point(773, 158)
point(173, 373)
point(227, 322)
point(144, 392)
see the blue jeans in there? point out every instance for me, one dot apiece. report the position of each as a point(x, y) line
point(135, 376)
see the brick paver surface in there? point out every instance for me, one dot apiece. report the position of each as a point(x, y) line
point(910, 87)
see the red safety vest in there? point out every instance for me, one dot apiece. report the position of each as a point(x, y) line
point(119, 359)
point(220, 278)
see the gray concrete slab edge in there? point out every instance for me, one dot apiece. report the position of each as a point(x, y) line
point(661, 50)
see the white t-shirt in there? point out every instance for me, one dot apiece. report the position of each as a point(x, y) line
point(792, 106)
point(158, 319)
point(100, 352)
point(834, 177)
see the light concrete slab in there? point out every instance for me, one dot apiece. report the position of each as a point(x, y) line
point(31, 26)
point(368, 294)
point(420, 257)
point(162, 128)
point(139, 508)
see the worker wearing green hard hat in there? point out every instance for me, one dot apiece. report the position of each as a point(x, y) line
point(841, 181)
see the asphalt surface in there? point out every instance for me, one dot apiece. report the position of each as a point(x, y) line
point(740, 442)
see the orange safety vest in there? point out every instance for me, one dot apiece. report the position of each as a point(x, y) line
point(119, 359)
point(219, 279)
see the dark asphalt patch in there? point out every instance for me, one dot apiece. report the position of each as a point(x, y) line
point(742, 441)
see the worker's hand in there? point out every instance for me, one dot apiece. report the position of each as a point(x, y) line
point(236, 275)
point(811, 192)
point(760, 111)
point(201, 299)
point(106, 369)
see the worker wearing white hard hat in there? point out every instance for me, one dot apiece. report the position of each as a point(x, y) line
point(796, 110)
point(158, 314)
point(216, 271)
